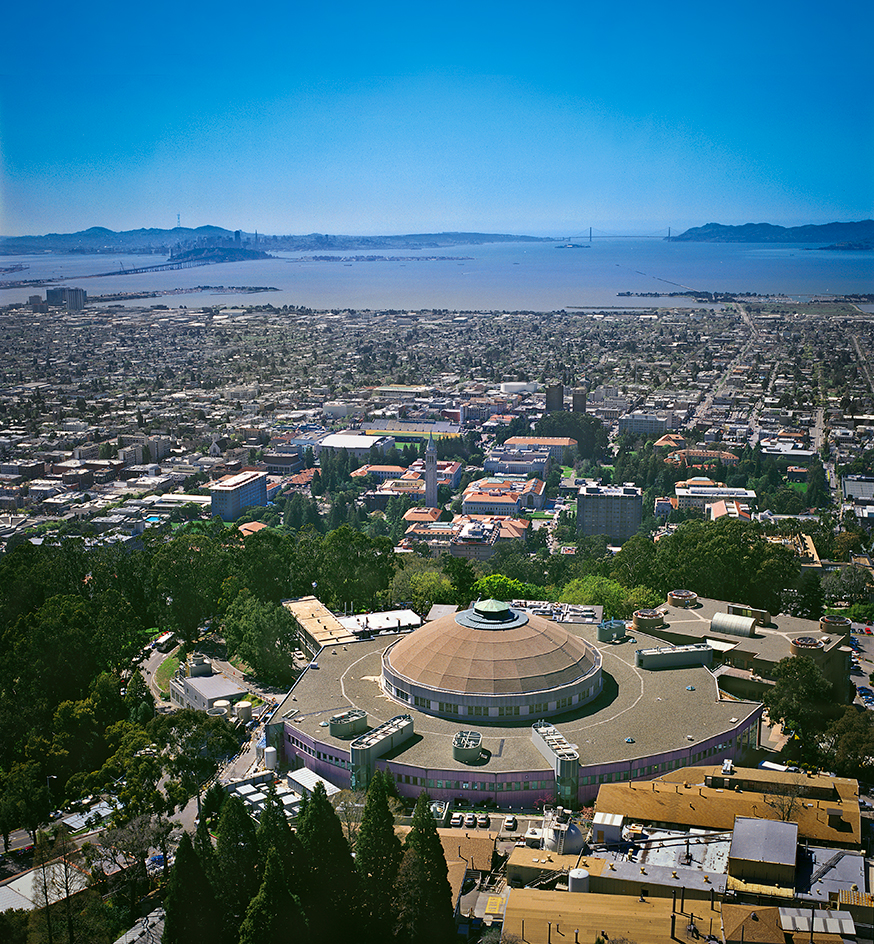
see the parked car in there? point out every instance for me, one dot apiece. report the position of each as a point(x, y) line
point(470, 821)
point(457, 819)
point(510, 824)
point(483, 821)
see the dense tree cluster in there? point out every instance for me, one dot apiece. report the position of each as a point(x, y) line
point(275, 884)
point(822, 732)
point(727, 559)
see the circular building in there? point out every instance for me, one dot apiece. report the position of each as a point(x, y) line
point(492, 661)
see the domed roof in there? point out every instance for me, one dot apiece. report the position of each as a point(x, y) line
point(491, 649)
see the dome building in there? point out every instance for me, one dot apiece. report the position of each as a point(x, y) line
point(492, 661)
point(499, 704)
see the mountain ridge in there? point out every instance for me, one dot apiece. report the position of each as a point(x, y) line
point(861, 231)
point(99, 239)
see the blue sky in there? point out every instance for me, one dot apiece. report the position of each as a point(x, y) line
point(411, 117)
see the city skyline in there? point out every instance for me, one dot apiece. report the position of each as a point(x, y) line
point(402, 120)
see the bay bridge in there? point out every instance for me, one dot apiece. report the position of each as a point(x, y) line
point(163, 267)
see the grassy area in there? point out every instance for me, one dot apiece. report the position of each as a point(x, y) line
point(166, 671)
point(800, 487)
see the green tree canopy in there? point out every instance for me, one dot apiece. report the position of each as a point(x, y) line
point(423, 895)
point(187, 574)
point(193, 912)
point(848, 744)
point(462, 576)
point(238, 861)
point(798, 699)
point(332, 917)
point(377, 858)
point(619, 602)
point(263, 634)
point(354, 568)
point(499, 587)
point(274, 915)
point(193, 745)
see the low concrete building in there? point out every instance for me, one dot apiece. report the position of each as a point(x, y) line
point(195, 686)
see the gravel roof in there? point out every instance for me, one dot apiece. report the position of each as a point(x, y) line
point(670, 709)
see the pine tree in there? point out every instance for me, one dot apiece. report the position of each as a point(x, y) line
point(212, 803)
point(238, 861)
point(205, 850)
point(411, 894)
point(377, 857)
point(425, 882)
point(274, 833)
point(192, 911)
point(332, 901)
point(274, 915)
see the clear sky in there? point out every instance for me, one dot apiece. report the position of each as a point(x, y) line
point(342, 117)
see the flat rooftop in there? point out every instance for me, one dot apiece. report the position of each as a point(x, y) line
point(671, 709)
point(556, 916)
point(768, 642)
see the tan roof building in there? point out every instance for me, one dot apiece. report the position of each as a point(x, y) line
point(683, 799)
point(540, 917)
point(556, 445)
point(318, 625)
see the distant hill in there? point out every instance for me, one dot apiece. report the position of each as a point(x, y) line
point(843, 235)
point(98, 239)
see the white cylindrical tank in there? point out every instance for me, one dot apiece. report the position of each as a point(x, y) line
point(217, 712)
point(244, 710)
point(578, 880)
point(570, 844)
point(223, 703)
point(270, 758)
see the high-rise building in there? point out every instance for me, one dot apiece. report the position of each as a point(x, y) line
point(612, 510)
point(578, 400)
point(554, 397)
point(431, 475)
point(74, 298)
point(233, 493)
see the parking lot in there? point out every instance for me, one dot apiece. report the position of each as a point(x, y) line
point(862, 663)
point(503, 823)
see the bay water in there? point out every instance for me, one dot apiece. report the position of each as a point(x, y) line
point(509, 276)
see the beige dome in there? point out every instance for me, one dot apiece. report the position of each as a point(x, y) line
point(491, 649)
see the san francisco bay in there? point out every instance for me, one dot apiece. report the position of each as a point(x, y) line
point(512, 276)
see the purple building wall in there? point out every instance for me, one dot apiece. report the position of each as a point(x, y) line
point(525, 788)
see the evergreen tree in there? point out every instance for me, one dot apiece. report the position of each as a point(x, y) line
point(274, 833)
point(213, 800)
point(192, 911)
point(424, 884)
point(238, 860)
point(205, 850)
point(274, 915)
point(331, 915)
point(413, 921)
point(377, 857)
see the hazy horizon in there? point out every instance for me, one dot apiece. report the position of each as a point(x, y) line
point(409, 119)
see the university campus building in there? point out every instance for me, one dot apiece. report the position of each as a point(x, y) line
point(501, 703)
